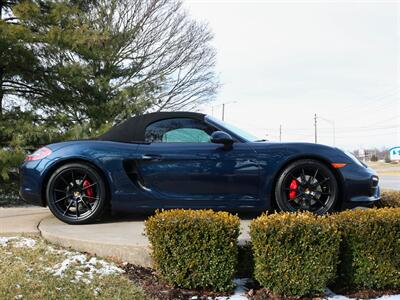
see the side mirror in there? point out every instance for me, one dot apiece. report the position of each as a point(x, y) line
point(221, 137)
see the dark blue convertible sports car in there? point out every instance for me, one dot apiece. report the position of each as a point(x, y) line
point(191, 160)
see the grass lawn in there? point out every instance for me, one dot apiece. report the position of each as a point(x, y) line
point(34, 269)
point(385, 168)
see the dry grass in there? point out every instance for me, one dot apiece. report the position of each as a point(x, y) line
point(31, 273)
point(383, 168)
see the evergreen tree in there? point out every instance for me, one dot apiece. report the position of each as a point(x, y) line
point(17, 60)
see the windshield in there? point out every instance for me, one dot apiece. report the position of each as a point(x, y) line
point(237, 131)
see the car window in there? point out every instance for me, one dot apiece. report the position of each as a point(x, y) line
point(186, 135)
point(179, 130)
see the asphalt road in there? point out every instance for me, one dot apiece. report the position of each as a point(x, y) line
point(390, 182)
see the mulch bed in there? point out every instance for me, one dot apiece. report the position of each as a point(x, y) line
point(157, 289)
point(6, 201)
point(364, 293)
point(263, 294)
point(9, 196)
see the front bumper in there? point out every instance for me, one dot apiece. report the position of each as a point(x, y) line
point(361, 186)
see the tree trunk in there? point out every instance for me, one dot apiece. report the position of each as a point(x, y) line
point(1, 103)
point(1, 70)
point(1, 91)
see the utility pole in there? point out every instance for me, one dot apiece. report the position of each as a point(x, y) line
point(280, 133)
point(315, 128)
point(219, 105)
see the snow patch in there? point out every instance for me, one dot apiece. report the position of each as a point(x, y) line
point(238, 294)
point(96, 291)
point(25, 243)
point(329, 295)
point(19, 242)
point(241, 290)
point(85, 268)
point(3, 241)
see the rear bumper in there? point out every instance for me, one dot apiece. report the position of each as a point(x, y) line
point(30, 182)
point(31, 198)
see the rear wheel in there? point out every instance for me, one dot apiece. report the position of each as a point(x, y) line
point(76, 194)
point(307, 185)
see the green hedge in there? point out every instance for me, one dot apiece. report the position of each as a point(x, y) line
point(390, 198)
point(290, 254)
point(195, 248)
point(295, 254)
point(370, 254)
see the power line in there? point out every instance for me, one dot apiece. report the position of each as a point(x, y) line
point(368, 135)
point(360, 128)
point(372, 99)
point(386, 120)
point(333, 127)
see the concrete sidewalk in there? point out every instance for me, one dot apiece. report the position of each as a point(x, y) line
point(119, 237)
point(122, 240)
point(24, 220)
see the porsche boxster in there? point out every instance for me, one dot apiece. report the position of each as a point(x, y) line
point(169, 160)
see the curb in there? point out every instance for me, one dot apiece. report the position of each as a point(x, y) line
point(134, 254)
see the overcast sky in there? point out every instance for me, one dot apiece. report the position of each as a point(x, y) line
point(283, 61)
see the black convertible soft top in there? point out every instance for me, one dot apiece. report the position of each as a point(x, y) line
point(133, 129)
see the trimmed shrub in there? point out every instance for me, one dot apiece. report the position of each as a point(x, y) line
point(370, 252)
point(195, 248)
point(294, 254)
point(390, 198)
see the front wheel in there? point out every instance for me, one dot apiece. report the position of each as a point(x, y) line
point(76, 194)
point(307, 185)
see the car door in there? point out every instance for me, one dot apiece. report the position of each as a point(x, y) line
point(183, 168)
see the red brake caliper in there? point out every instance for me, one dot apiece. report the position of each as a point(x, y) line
point(293, 188)
point(88, 191)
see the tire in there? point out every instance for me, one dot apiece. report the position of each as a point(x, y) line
point(76, 194)
point(307, 185)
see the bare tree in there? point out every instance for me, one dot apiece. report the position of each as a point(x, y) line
point(159, 44)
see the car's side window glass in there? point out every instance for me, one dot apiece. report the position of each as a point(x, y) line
point(191, 135)
point(179, 130)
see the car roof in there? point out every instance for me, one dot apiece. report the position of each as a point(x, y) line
point(133, 129)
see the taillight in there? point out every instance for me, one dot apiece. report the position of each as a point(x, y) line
point(39, 154)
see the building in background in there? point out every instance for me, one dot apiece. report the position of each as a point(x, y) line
point(394, 154)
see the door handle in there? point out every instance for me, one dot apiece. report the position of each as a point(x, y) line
point(150, 157)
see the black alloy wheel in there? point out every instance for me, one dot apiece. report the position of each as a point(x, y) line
point(307, 185)
point(76, 194)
